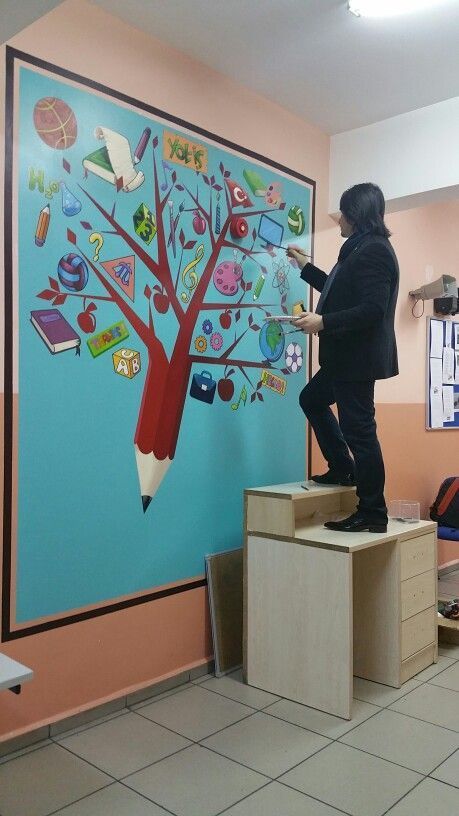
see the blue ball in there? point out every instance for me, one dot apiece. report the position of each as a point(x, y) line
point(73, 272)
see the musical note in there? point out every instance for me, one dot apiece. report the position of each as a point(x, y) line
point(242, 398)
point(166, 166)
point(189, 269)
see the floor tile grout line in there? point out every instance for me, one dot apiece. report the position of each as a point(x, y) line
point(163, 694)
point(456, 751)
point(290, 787)
point(80, 799)
point(237, 762)
point(87, 761)
point(319, 733)
point(442, 782)
point(256, 708)
point(25, 752)
point(73, 732)
point(198, 741)
point(155, 762)
point(429, 722)
point(225, 810)
point(403, 797)
point(384, 759)
point(147, 798)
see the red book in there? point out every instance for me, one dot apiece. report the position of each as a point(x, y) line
point(54, 330)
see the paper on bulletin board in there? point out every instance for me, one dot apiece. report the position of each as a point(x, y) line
point(436, 372)
point(448, 333)
point(448, 366)
point(456, 337)
point(436, 407)
point(457, 366)
point(448, 403)
point(436, 338)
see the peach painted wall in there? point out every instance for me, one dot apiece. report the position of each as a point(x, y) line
point(416, 460)
point(81, 665)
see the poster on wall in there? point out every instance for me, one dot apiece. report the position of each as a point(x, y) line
point(147, 379)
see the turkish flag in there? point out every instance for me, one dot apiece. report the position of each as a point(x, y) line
point(239, 197)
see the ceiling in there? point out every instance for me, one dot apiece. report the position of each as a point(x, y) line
point(311, 56)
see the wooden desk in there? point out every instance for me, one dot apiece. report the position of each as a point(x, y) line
point(13, 674)
point(320, 606)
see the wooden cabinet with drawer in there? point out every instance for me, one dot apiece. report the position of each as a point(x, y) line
point(418, 604)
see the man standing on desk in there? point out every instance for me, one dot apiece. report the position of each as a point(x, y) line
point(355, 323)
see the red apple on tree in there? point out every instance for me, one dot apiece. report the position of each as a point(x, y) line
point(86, 319)
point(225, 319)
point(225, 386)
point(199, 223)
point(161, 302)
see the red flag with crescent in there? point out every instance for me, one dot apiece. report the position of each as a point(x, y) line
point(239, 197)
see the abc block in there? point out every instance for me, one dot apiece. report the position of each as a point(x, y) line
point(126, 362)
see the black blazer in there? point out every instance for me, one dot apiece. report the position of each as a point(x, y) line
point(358, 339)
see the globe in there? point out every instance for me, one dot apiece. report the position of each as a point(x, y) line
point(272, 341)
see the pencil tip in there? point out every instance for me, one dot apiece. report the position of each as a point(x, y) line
point(145, 502)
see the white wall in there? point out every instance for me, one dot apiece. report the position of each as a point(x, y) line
point(413, 157)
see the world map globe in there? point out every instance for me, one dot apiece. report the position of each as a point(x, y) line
point(272, 341)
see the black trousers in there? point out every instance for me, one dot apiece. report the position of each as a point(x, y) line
point(355, 432)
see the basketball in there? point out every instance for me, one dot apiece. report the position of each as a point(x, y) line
point(295, 220)
point(55, 122)
point(73, 272)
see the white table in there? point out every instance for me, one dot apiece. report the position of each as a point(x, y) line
point(13, 674)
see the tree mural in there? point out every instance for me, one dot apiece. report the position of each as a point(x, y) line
point(168, 375)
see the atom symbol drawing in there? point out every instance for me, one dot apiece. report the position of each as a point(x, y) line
point(281, 270)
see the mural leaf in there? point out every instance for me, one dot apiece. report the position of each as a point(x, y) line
point(221, 167)
point(189, 245)
point(147, 292)
point(282, 206)
point(71, 236)
point(181, 237)
point(250, 319)
point(253, 397)
point(179, 187)
point(206, 180)
point(155, 142)
point(174, 177)
point(86, 225)
point(47, 294)
point(59, 300)
point(54, 284)
point(255, 327)
point(248, 286)
point(260, 396)
point(237, 316)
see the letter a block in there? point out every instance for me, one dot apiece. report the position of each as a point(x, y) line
point(126, 362)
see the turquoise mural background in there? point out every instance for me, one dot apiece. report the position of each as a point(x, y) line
point(83, 537)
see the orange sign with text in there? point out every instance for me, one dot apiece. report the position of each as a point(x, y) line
point(180, 150)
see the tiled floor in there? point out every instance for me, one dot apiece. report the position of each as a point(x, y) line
point(216, 746)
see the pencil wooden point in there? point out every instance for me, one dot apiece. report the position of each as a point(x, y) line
point(151, 472)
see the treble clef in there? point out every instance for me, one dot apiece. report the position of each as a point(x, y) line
point(189, 269)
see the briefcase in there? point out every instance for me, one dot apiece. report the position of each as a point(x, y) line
point(203, 387)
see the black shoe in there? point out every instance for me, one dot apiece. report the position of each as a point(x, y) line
point(355, 524)
point(332, 479)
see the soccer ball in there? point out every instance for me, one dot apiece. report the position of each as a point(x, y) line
point(293, 357)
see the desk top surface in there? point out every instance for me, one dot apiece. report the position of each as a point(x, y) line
point(13, 673)
point(352, 542)
point(295, 491)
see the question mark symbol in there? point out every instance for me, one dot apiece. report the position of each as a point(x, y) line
point(93, 238)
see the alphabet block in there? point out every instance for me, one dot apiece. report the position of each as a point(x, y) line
point(126, 362)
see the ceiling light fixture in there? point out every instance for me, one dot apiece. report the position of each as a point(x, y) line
point(389, 8)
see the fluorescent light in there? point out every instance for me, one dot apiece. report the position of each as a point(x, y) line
point(389, 8)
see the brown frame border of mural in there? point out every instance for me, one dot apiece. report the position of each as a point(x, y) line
point(13, 54)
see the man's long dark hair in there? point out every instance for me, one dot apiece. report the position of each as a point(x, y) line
point(363, 206)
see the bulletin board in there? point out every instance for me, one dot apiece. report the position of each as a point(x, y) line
point(146, 381)
point(442, 399)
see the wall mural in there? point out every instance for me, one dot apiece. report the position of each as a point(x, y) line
point(148, 257)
